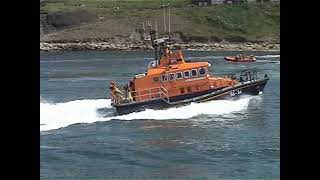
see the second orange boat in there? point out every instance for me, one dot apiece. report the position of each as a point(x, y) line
point(241, 58)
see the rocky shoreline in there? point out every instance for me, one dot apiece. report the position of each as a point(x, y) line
point(129, 46)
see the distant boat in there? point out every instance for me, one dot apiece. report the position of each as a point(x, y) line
point(241, 58)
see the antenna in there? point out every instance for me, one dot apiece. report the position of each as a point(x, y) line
point(169, 18)
point(156, 28)
point(164, 16)
point(146, 25)
point(144, 31)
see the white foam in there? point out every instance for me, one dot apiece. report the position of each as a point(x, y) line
point(219, 107)
point(269, 56)
point(53, 116)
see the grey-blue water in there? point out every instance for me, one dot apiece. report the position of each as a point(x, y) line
point(216, 140)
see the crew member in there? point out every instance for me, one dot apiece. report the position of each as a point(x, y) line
point(116, 93)
point(128, 96)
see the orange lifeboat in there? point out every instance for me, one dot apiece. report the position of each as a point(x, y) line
point(171, 81)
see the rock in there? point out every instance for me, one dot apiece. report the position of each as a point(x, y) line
point(112, 46)
point(127, 45)
point(135, 36)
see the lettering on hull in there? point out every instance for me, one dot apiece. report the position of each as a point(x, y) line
point(235, 93)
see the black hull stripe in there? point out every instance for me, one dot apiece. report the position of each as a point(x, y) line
point(228, 91)
point(209, 95)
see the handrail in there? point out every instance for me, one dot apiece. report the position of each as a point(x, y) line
point(145, 89)
point(157, 93)
point(167, 93)
point(151, 93)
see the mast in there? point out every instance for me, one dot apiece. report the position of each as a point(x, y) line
point(169, 18)
point(164, 16)
point(159, 44)
point(144, 31)
point(156, 28)
point(154, 45)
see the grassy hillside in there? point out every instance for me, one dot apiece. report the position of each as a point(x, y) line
point(72, 20)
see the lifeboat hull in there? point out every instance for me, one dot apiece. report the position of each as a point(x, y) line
point(249, 88)
point(234, 59)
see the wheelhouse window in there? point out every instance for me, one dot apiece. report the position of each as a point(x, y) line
point(202, 71)
point(186, 74)
point(164, 78)
point(194, 73)
point(179, 75)
point(171, 76)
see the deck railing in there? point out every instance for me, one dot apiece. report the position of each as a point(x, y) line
point(151, 94)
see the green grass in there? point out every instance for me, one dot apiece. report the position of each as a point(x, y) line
point(62, 5)
point(248, 21)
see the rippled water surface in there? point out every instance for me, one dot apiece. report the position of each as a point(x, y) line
point(81, 138)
